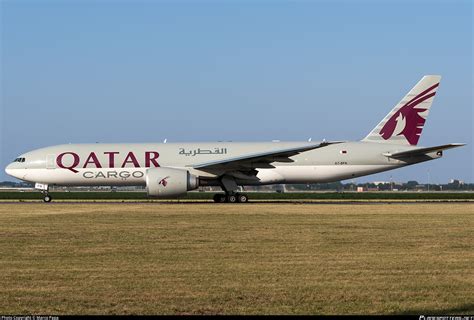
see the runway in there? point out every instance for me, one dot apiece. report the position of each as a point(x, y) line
point(251, 202)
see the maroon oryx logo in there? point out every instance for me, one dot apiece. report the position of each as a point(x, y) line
point(163, 181)
point(408, 120)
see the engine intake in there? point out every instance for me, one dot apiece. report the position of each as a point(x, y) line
point(166, 182)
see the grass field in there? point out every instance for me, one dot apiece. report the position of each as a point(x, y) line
point(236, 259)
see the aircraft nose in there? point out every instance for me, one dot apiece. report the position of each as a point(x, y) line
point(9, 170)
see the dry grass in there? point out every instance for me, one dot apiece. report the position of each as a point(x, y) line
point(236, 259)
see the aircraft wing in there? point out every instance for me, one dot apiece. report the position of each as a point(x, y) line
point(422, 151)
point(258, 160)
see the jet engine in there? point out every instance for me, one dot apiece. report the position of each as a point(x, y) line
point(165, 182)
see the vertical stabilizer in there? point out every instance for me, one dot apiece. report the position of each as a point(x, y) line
point(404, 124)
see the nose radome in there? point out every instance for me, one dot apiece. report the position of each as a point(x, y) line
point(9, 170)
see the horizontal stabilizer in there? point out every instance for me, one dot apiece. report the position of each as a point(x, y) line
point(422, 151)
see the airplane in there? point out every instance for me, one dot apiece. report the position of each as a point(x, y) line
point(169, 170)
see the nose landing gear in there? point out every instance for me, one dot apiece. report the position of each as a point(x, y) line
point(47, 198)
point(44, 188)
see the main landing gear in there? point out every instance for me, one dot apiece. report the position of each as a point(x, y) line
point(230, 188)
point(231, 198)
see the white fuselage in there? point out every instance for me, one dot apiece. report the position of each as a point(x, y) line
point(127, 164)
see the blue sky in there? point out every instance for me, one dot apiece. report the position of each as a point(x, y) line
point(118, 71)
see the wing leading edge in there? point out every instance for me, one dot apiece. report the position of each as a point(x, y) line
point(258, 160)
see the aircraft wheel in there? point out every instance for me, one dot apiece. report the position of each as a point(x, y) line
point(242, 198)
point(231, 198)
point(219, 198)
point(47, 198)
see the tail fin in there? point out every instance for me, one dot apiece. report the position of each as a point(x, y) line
point(403, 125)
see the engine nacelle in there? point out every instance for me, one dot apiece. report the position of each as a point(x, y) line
point(165, 182)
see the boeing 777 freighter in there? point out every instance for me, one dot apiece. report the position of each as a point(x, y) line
point(171, 169)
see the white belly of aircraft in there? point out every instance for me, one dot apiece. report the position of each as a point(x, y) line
point(137, 176)
point(317, 174)
point(87, 177)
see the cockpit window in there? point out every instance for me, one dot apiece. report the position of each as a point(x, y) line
point(19, 160)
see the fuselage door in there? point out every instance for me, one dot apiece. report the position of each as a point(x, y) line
point(50, 161)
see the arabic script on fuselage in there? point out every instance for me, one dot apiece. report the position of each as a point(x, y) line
point(199, 151)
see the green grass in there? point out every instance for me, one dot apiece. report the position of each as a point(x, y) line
point(253, 195)
point(236, 259)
